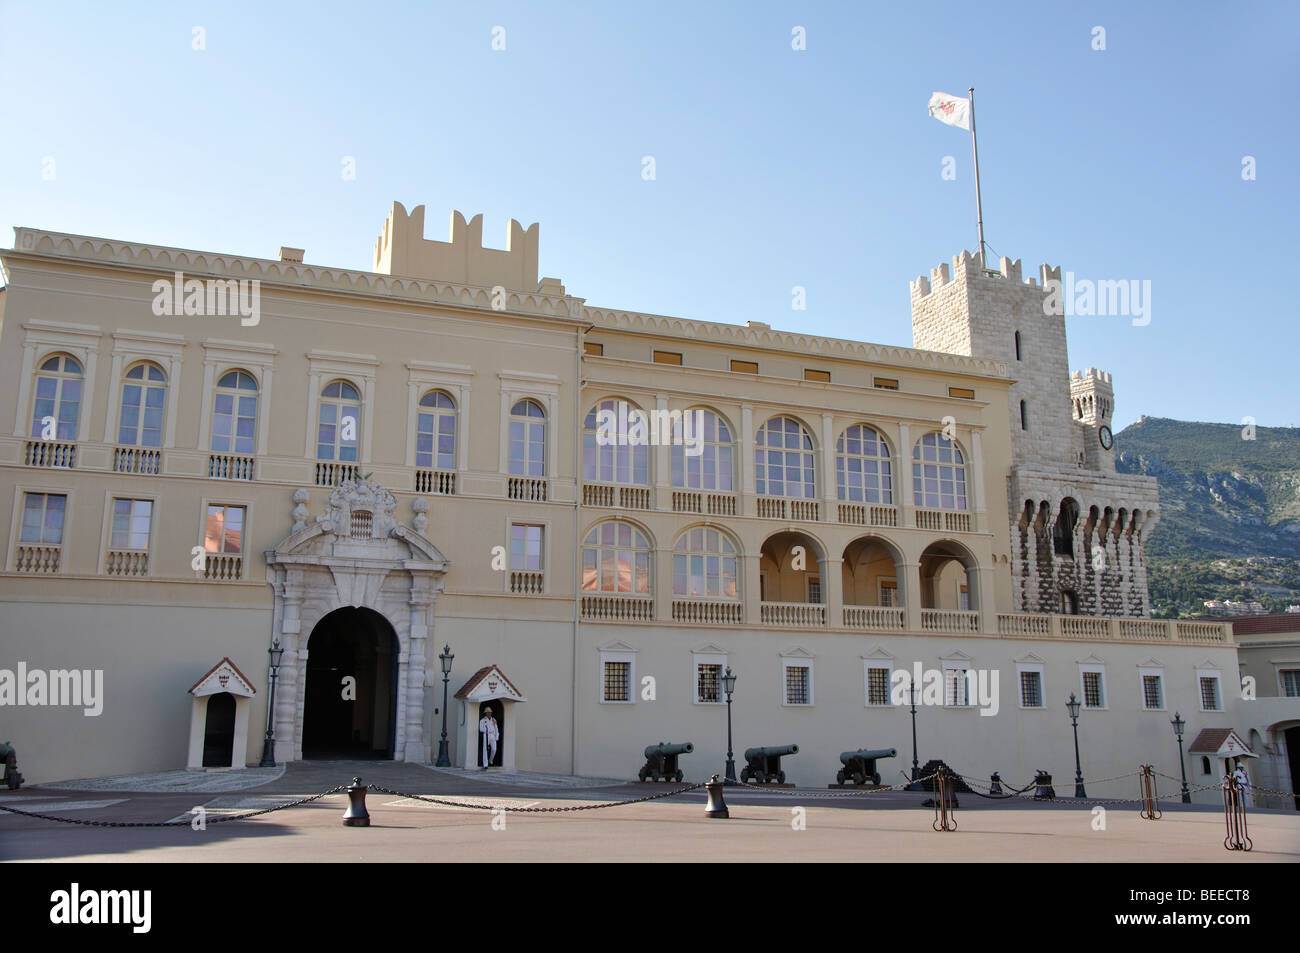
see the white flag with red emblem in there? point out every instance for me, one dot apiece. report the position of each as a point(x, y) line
point(954, 110)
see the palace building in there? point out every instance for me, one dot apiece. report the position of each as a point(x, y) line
point(368, 466)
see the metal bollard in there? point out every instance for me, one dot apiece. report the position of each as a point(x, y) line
point(995, 784)
point(1044, 790)
point(356, 814)
point(716, 807)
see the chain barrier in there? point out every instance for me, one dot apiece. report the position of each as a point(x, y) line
point(185, 823)
point(883, 789)
point(538, 810)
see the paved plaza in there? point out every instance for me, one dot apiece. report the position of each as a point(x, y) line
point(884, 826)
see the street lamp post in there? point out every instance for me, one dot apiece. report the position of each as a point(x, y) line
point(445, 660)
point(1179, 724)
point(1072, 706)
point(729, 686)
point(916, 771)
point(268, 749)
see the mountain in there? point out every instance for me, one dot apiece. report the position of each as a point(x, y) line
point(1229, 510)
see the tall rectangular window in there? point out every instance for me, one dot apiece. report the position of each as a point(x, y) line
point(888, 592)
point(877, 685)
point(618, 682)
point(1291, 683)
point(1153, 695)
point(798, 685)
point(1031, 689)
point(1093, 693)
point(1210, 693)
point(815, 590)
point(132, 520)
point(224, 530)
point(43, 518)
point(954, 688)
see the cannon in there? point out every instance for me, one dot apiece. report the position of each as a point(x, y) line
point(764, 764)
point(661, 761)
point(9, 758)
point(860, 765)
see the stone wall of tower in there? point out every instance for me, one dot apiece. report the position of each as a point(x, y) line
point(968, 310)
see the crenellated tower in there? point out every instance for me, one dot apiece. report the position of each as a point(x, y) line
point(1076, 526)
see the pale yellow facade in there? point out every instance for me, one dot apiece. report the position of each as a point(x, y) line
point(829, 582)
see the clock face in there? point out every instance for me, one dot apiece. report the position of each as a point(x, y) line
point(1104, 435)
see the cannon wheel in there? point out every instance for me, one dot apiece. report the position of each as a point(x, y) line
point(640, 775)
point(875, 779)
point(780, 777)
point(859, 777)
point(760, 777)
point(839, 777)
point(679, 777)
point(744, 774)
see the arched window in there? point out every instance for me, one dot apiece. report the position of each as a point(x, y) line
point(435, 432)
point(711, 468)
point(1024, 416)
point(608, 456)
point(58, 395)
point(1063, 531)
point(527, 439)
point(784, 460)
point(938, 474)
point(339, 432)
point(1017, 345)
point(234, 413)
point(144, 394)
point(862, 468)
point(705, 565)
point(616, 558)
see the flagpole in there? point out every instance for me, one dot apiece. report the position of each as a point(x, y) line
point(979, 209)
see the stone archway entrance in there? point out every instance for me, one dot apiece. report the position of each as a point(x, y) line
point(380, 575)
point(350, 694)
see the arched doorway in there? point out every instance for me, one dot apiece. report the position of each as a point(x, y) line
point(350, 696)
point(219, 731)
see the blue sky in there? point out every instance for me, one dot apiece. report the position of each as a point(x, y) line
point(774, 168)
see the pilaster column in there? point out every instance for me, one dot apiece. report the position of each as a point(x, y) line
point(753, 614)
point(748, 505)
point(909, 590)
point(660, 457)
point(833, 589)
point(663, 583)
point(903, 480)
point(828, 475)
point(977, 473)
point(293, 666)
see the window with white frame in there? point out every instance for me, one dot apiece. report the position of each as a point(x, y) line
point(608, 456)
point(815, 590)
point(234, 413)
point(709, 669)
point(616, 558)
point(1153, 689)
point(57, 398)
point(705, 565)
point(797, 680)
point(223, 530)
point(526, 547)
point(132, 522)
point(785, 464)
point(955, 685)
point(938, 473)
point(144, 398)
point(1093, 684)
point(889, 592)
point(338, 433)
point(877, 676)
point(42, 520)
point(1290, 682)
point(527, 450)
point(712, 467)
point(1211, 697)
point(617, 675)
point(1030, 676)
point(862, 467)
point(435, 432)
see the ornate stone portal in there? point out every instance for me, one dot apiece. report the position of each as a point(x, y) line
point(356, 554)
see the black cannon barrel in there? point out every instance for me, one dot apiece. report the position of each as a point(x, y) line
point(779, 751)
point(868, 754)
point(666, 749)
